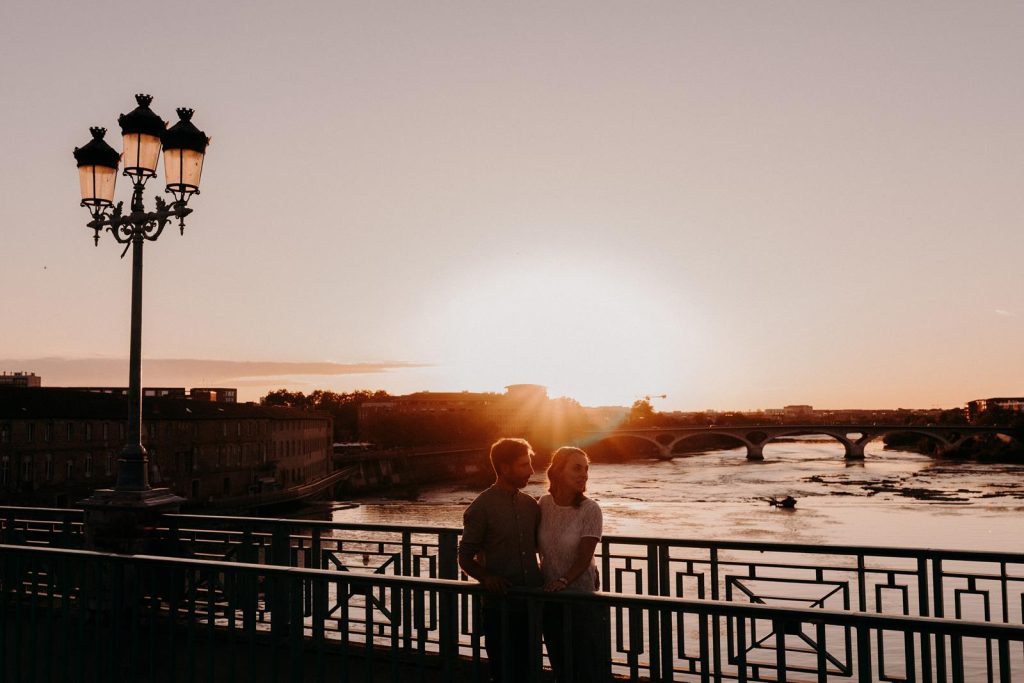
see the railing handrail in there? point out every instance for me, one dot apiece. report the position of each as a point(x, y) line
point(930, 625)
point(726, 544)
point(721, 544)
point(821, 549)
point(314, 523)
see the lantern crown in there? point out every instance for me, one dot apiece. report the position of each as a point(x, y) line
point(142, 120)
point(97, 152)
point(184, 134)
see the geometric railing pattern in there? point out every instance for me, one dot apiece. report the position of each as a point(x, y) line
point(894, 582)
point(73, 615)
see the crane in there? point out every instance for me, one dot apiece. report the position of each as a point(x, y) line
point(648, 397)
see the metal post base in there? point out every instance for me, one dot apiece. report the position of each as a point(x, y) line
point(124, 521)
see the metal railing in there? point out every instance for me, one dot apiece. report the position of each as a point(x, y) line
point(981, 586)
point(72, 615)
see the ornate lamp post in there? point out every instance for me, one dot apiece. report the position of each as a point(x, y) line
point(114, 516)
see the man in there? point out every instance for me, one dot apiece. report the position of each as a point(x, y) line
point(499, 549)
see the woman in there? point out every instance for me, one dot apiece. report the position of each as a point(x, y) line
point(570, 527)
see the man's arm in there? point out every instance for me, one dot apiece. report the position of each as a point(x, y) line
point(474, 527)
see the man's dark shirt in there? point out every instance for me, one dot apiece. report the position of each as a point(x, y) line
point(500, 529)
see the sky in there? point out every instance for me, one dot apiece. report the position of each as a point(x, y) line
point(738, 205)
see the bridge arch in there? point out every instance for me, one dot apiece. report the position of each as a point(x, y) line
point(614, 448)
point(943, 441)
point(732, 437)
point(853, 448)
point(947, 439)
point(664, 442)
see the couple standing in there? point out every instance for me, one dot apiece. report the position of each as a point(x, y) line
point(504, 529)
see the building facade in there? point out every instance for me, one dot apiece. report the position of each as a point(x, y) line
point(25, 380)
point(1009, 404)
point(59, 445)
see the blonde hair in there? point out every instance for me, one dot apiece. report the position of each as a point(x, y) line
point(556, 467)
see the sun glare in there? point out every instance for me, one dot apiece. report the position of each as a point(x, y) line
point(598, 337)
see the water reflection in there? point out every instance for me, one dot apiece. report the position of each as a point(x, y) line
point(891, 498)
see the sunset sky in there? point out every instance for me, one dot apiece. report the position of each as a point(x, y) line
point(737, 204)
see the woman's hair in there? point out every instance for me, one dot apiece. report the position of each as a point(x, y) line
point(557, 466)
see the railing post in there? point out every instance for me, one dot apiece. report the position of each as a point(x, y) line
point(938, 600)
point(406, 569)
point(654, 588)
point(1004, 661)
point(779, 626)
point(278, 591)
point(922, 606)
point(8, 536)
point(448, 606)
point(716, 635)
point(863, 654)
point(534, 615)
point(822, 637)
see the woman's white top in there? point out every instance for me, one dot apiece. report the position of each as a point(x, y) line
point(558, 538)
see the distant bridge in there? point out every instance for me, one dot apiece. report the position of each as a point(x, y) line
point(755, 437)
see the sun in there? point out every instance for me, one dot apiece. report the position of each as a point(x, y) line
point(595, 335)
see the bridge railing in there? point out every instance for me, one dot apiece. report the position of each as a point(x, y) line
point(72, 615)
point(982, 586)
point(59, 527)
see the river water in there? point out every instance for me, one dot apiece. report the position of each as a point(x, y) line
point(892, 498)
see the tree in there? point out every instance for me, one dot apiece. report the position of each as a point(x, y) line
point(343, 408)
point(641, 414)
point(286, 399)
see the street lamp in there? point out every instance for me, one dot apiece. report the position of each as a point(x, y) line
point(184, 146)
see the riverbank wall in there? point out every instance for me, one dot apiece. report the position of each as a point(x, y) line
point(402, 472)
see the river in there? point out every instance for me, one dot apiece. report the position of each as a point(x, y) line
point(892, 498)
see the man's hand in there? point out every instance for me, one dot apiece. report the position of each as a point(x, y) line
point(495, 584)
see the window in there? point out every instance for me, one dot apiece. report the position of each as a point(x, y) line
point(5, 433)
point(88, 465)
point(88, 431)
point(70, 434)
point(30, 432)
point(28, 473)
point(106, 430)
point(5, 469)
point(47, 431)
point(69, 472)
point(48, 467)
point(109, 468)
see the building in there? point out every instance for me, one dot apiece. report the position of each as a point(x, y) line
point(57, 445)
point(215, 394)
point(25, 380)
point(979, 406)
point(797, 411)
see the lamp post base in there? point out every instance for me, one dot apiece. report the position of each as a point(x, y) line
point(123, 521)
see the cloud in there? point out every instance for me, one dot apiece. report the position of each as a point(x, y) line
point(1007, 314)
point(186, 371)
